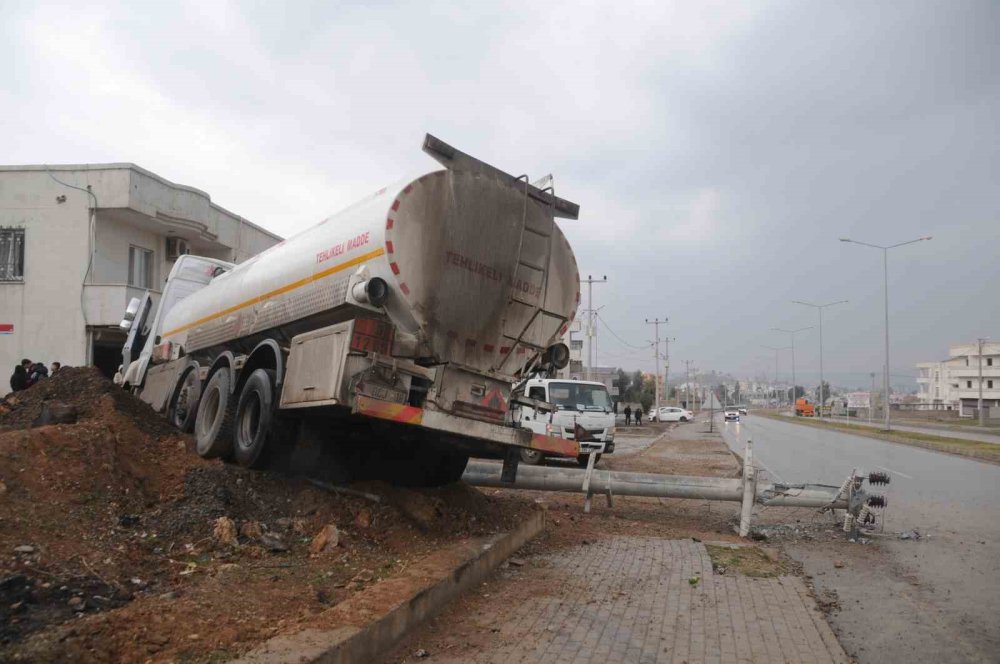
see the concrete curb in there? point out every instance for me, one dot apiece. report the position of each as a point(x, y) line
point(368, 624)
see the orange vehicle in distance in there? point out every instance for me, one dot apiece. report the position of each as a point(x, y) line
point(804, 407)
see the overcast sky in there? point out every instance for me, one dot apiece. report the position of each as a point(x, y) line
point(718, 150)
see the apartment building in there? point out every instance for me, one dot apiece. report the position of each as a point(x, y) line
point(78, 241)
point(954, 383)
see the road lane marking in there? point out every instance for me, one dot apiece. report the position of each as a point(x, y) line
point(895, 472)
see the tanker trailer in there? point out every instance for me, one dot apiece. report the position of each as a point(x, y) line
point(389, 334)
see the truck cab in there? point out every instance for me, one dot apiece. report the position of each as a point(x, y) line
point(562, 408)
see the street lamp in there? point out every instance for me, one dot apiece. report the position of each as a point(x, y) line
point(885, 272)
point(792, 334)
point(819, 308)
point(776, 351)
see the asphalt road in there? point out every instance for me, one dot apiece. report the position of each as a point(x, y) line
point(983, 437)
point(936, 599)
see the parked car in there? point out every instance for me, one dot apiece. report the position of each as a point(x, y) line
point(671, 414)
point(744, 411)
point(732, 415)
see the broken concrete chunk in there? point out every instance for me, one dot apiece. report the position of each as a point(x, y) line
point(225, 531)
point(326, 539)
point(251, 529)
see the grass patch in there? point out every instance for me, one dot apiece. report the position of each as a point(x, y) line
point(973, 448)
point(745, 560)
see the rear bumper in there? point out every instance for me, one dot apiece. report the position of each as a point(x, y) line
point(462, 426)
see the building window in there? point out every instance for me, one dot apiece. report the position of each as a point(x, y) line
point(989, 361)
point(937, 392)
point(140, 267)
point(989, 384)
point(937, 376)
point(576, 344)
point(11, 254)
point(968, 384)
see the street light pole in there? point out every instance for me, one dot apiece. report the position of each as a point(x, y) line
point(666, 367)
point(819, 308)
point(982, 419)
point(656, 355)
point(871, 400)
point(885, 270)
point(590, 281)
point(776, 350)
point(792, 333)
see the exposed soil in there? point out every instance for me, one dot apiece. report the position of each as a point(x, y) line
point(112, 548)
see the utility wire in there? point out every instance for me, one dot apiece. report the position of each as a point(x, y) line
point(615, 334)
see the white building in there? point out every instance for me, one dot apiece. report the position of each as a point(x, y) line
point(954, 383)
point(77, 242)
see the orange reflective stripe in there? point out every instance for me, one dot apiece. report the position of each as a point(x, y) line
point(555, 444)
point(280, 291)
point(386, 410)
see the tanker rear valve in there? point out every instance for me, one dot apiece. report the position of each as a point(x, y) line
point(372, 291)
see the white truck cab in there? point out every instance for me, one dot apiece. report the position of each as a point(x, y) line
point(558, 406)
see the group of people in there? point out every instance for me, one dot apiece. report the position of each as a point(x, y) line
point(27, 373)
point(629, 413)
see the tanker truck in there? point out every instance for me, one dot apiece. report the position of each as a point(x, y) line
point(384, 340)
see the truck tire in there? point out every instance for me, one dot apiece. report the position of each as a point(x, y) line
point(531, 457)
point(184, 405)
point(213, 426)
point(259, 433)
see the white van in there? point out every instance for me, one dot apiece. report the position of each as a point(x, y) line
point(561, 406)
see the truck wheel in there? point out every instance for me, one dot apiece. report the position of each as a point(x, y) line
point(446, 469)
point(259, 433)
point(184, 407)
point(584, 459)
point(531, 457)
point(213, 426)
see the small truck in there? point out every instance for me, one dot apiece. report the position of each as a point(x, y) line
point(804, 407)
point(574, 409)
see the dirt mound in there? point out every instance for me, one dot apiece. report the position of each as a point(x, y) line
point(108, 549)
point(82, 388)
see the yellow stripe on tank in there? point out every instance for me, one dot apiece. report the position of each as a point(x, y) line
point(280, 291)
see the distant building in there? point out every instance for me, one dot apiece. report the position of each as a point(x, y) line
point(953, 384)
point(77, 242)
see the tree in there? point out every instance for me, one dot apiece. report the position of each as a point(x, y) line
point(826, 391)
point(799, 392)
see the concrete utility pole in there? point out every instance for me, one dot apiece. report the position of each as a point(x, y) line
point(819, 308)
point(982, 418)
point(590, 281)
point(792, 333)
point(776, 350)
point(885, 271)
point(656, 356)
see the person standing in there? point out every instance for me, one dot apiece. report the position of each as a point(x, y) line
point(37, 372)
point(56, 366)
point(638, 415)
point(628, 414)
point(19, 379)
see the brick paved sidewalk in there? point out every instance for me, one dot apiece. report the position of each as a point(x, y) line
point(629, 599)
